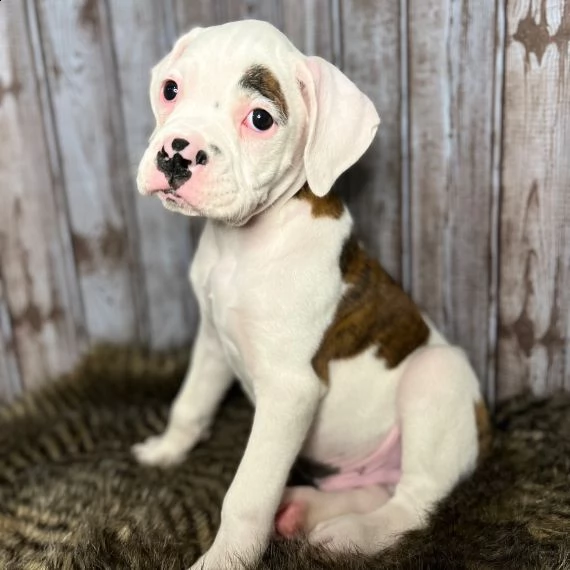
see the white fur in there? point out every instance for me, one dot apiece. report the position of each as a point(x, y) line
point(267, 290)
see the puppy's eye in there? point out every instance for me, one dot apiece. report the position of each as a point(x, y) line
point(170, 90)
point(260, 120)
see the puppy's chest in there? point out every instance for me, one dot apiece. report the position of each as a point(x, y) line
point(240, 293)
point(227, 307)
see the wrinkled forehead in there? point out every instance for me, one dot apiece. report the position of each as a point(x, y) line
point(243, 40)
point(251, 55)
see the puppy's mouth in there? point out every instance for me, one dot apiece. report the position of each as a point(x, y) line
point(169, 194)
point(173, 201)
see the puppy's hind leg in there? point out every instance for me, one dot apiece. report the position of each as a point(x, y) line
point(205, 384)
point(302, 508)
point(436, 404)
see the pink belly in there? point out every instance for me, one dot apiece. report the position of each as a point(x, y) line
point(381, 467)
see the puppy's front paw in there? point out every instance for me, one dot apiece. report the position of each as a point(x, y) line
point(236, 549)
point(221, 559)
point(159, 450)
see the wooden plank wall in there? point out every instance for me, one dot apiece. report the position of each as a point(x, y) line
point(464, 195)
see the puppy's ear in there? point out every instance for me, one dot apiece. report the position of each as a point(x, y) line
point(342, 122)
point(156, 74)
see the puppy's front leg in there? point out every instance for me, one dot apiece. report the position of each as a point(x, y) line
point(206, 382)
point(285, 408)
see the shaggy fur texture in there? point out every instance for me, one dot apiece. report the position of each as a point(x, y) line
point(72, 497)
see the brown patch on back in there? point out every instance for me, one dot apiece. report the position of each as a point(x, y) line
point(259, 78)
point(374, 311)
point(329, 206)
point(484, 430)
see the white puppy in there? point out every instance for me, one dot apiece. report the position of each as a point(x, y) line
point(343, 369)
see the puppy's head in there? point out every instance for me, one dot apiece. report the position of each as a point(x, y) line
point(244, 119)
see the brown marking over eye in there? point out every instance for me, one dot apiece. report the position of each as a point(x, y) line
point(259, 79)
point(374, 311)
point(484, 430)
point(329, 206)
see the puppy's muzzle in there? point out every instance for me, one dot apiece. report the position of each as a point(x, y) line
point(177, 158)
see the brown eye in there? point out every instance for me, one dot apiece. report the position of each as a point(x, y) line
point(170, 90)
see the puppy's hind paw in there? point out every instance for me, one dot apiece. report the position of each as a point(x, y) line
point(159, 451)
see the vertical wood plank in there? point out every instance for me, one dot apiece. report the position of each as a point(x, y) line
point(269, 10)
point(199, 13)
point(40, 306)
point(10, 381)
point(452, 69)
point(535, 238)
point(85, 95)
point(141, 38)
point(308, 24)
point(370, 51)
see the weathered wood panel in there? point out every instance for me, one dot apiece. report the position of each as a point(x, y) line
point(309, 25)
point(469, 216)
point(40, 308)
point(451, 95)
point(535, 214)
point(85, 94)
point(306, 22)
point(370, 56)
point(141, 38)
point(10, 381)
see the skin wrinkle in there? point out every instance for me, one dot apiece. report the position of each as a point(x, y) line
point(260, 80)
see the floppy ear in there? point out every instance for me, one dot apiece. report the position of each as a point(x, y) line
point(342, 123)
point(180, 45)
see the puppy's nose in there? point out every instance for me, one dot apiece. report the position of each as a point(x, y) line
point(176, 169)
point(190, 148)
point(179, 144)
point(178, 156)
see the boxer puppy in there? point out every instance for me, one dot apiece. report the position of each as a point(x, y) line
point(343, 369)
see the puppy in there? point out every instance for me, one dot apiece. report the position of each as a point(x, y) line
point(343, 369)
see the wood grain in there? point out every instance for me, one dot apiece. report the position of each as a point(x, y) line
point(308, 24)
point(40, 306)
point(85, 95)
point(370, 56)
point(142, 36)
point(10, 380)
point(452, 74)
point(535, 214)
point(463, 196)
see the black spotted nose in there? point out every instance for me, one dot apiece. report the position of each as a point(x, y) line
point(179, 144)
point(201, 157)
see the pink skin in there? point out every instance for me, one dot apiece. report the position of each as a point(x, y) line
point(189, 192)
point(302, 508)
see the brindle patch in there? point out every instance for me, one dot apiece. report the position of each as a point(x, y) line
point(329, 206)
point(374, 311)
point(484, 430)
point(259, 79)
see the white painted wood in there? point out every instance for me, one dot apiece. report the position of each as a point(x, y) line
point(141, 39)
point(40, 316)
point(10, 381)
point(371, 58)
point(451, 96)
point(269, 10)
point(308, 24)
point(463, 199)
point(535, 215)
point(495, 206)
point(85, 95)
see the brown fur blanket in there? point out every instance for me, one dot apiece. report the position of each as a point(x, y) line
point(72, 497)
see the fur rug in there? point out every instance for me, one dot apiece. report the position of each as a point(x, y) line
point(71, 496)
